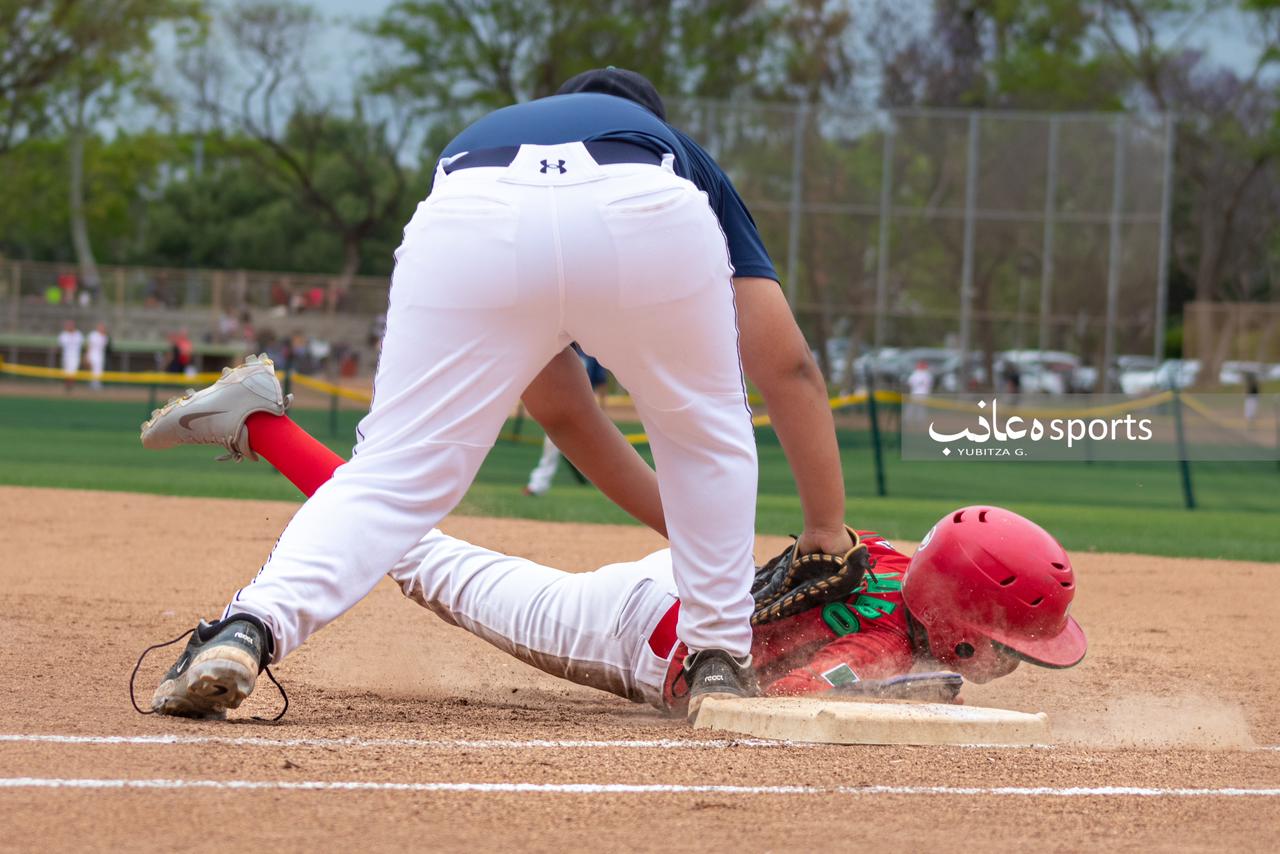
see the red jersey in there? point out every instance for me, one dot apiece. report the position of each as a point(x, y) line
point(863, 637)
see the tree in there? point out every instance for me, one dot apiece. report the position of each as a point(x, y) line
point(1001, 53)
point(39, 39)
point(1228, 141)
point(112, 41)
point(123, 177)
point(342, 165)
point(460, 57)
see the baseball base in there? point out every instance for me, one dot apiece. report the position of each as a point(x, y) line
point(829, 721)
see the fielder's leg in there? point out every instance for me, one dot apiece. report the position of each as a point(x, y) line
point(666, 327)
point(467, 329)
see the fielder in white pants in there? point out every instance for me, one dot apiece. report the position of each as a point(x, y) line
point(500, 268)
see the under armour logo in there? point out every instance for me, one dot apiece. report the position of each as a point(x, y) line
point(559, 164)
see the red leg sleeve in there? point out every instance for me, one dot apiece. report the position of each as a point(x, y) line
point(294, 452)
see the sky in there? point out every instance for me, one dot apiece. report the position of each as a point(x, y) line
point(1226, 38)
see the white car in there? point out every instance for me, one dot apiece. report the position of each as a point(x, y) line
point(1233, 373)
point(1179, 373)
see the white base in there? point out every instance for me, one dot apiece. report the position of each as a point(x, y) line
point(831, 721)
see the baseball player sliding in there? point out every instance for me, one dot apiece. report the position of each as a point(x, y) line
point(584, 216)
point(986, 590)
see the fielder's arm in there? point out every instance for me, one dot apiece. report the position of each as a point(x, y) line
point(561, 400)
point(777, 360)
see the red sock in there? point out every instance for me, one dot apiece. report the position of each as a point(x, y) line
point(294, 452)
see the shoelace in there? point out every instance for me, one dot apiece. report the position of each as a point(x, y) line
point(134, 675)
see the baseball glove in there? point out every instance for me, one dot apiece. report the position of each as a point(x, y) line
point(792, 583)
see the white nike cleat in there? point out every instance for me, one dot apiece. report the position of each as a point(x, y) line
point(216, 415)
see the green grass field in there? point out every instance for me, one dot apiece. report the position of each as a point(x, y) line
point(1115, 507)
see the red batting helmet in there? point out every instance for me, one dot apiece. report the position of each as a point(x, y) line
point(985, 578)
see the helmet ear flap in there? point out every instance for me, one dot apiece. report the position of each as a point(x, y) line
point(974, 657)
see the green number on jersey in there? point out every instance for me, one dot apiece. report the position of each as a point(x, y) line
point(840, 619)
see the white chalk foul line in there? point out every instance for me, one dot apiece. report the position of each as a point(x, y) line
point(436, 744)
point(628, 789)
point(461, 743)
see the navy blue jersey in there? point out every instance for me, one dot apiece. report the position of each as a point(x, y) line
point(587, 117)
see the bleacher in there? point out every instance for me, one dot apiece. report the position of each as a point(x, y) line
point(140, 325)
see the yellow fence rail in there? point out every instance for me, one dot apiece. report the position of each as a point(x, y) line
point(121, 377)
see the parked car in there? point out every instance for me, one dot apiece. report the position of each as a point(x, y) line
point(884, 365)
point(1233, 373)
point(947, 378)
point(1139, 370)
point(1043, 371)
point(1179, 373)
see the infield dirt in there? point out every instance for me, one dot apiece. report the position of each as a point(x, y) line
point(1178, 692)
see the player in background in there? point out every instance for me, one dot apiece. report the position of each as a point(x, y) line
point(71, 343)
point(96, 353)
point(543, 473)
point(986, 590)
point(919, 387)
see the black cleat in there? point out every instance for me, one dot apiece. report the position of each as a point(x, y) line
point(217, 670)
point(715, 673)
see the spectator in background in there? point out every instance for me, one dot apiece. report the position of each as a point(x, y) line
point(1252, 394)
point(1012, 377)
point(299, 354)
point(97, 353)
point(279, 295)
point(316, 298)
point(377, 331)
point(180, 353)
point(248, 334)
point(228, 327)
point(543, 473)
point(71, 342)
point(91, 290)
point(67, 284)
point(919, 387)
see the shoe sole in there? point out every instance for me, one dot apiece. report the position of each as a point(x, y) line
point(220, 679)
point(695, 703)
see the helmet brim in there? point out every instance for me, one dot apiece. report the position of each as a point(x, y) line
point(1065, 649)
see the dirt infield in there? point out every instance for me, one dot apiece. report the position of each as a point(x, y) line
point(407, 733)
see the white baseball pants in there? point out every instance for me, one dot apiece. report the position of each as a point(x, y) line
point(500, 268)
point(542, 474)
point(70, 360)
point(592, 628)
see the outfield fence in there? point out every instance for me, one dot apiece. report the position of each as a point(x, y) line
point(1202, 426)
point(980, 230)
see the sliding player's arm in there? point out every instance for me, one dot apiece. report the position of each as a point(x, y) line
point(849, 659)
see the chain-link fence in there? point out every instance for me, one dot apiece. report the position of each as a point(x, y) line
point(966, 232)
point(943, 234)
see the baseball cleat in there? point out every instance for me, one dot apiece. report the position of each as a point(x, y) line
point(216, 415)
point(715, 673)
point(216, 671)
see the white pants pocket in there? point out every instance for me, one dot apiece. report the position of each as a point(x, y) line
point(667, 244)
point(459, 252)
